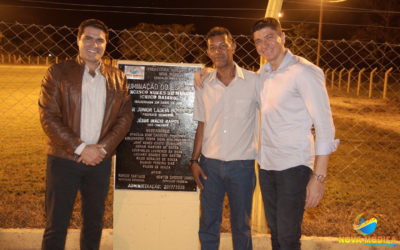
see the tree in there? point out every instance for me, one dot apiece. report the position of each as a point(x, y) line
point(163, 43)
point(301, 39)
point(302, 30)
point(378, 53)
point(384, 17)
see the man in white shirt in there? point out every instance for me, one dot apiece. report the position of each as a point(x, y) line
point(225, 142)
point(293, 98)
point(85, 111)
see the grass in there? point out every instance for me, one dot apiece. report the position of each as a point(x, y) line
point(363, 173)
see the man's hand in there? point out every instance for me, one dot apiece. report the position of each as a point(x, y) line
point(92, 155)
point(315, 191)
point(196, 172)
point(199, 77)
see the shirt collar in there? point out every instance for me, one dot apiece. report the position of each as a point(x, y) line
point(81, 62)
point(97, 70)
point(288, 60)
point(238, 73)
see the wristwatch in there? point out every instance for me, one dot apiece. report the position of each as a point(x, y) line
point(193, 161)
point(320, 178)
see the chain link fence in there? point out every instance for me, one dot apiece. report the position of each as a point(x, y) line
point(362, 80)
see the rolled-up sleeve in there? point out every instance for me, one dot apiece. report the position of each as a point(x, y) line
point(312, 89)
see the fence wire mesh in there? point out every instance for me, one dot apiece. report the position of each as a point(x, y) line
point(362, 80)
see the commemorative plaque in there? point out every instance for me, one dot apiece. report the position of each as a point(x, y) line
point(155, 153)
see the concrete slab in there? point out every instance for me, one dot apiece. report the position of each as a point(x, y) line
point(30, 239)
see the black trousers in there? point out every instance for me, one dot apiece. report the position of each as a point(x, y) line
point(63, 180)
point(284, 195)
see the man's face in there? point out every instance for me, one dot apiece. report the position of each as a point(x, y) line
point(221, 50)
point(269, 44)
point(92, 45)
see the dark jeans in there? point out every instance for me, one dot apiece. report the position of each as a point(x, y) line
point(63, 180)
point(284, 194)
point(237, 179)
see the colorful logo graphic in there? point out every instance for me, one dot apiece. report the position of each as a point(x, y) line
point(134, 72)
point(364, 227)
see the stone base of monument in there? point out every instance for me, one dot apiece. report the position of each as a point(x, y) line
point(156, 220)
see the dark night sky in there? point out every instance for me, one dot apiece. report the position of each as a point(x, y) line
point(239, 21)
point(125, 20)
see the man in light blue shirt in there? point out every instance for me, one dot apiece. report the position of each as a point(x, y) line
point(293, 98)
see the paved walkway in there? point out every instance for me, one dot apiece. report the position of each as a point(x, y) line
point(30, 239)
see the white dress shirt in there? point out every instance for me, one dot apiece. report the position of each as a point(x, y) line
point(230, 116)
point(292, 99)
point(92, 107)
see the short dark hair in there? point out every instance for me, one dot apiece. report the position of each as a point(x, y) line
point(218, 31)
point(92, 23)
point(269, 22)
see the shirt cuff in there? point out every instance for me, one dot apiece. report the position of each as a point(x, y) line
point(104, 151)
point(326, 148)
point(80, 148)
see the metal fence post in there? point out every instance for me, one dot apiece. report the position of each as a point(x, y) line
point(359, 80)
point(386, 82)
point(340, 77)
point(326, 75)
point(333, 77)
point(349, 79)
point(371, 79)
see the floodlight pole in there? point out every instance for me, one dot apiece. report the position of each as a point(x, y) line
point(258, 220)
point(273, 9)
point(321, 12)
